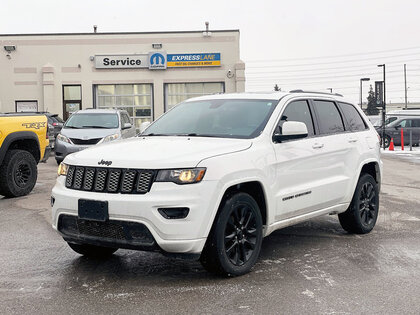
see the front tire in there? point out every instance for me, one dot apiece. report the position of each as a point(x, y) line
point(18, 173)
point(234, 243)
point(92, 250)
point(361, 216)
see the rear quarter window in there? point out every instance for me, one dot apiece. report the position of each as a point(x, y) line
point(352, 116)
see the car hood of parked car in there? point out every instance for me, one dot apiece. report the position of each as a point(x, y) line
point(88, 133)
point(157, 152)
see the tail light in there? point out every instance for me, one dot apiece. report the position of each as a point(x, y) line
point(55, 124)
point(46, 136)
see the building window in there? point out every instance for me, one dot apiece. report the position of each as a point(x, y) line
point(178, 92)
point(136, 99)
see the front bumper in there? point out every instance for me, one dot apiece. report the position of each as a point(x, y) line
point(62, 149)
point(178, 236)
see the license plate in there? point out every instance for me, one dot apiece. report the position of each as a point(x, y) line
point(94, 210)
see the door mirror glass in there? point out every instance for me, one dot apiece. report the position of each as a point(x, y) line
point(127, 126)
point(144, 125)
point(291, 130)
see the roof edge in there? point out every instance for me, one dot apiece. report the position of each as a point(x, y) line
point(119, 33)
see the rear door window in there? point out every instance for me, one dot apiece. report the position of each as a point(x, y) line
point(353, 118)
point(298, 111)
point(329, 118)
point(416, 123)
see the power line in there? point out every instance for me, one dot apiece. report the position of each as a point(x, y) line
point(335, 62)
point(336, 56)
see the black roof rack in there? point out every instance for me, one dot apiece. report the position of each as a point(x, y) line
point(314, 92)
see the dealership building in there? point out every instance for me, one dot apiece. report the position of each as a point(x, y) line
point(143, 73)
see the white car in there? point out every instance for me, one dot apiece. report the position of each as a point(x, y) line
point(215, 174)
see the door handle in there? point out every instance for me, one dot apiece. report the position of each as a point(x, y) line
point(317, 145)
point(352, 140)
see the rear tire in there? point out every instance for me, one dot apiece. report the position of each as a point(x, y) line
point(361, 216)
point(387, 141)
point(18, 173)
point(234, 243)
point(92, 250)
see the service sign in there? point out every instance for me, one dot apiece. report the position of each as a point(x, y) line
point(193, 60)
point(121, 61)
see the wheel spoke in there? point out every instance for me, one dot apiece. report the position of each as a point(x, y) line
point(364, 216)
point(251, 231)
point(231, 247)
point(251, 245)
point(243, 252)
point(248, 220)
point(369, 190)
point(230, 237)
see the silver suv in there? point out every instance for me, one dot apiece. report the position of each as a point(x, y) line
point(88, 127)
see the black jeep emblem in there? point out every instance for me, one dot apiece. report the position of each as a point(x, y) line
point(102, 162)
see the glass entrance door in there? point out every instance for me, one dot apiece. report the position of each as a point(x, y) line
point(72, 99)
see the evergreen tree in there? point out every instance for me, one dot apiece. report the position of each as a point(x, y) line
point(371, 106)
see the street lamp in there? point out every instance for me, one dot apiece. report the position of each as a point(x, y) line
point(361, 93)
point(383, 108)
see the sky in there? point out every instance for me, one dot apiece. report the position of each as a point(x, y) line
point(312, 45)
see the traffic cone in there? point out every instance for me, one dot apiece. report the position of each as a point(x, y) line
point(391, 145)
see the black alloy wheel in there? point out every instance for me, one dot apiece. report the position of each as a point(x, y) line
point(234, 242)
point(367, 204)
point(240, 234)
point(361, 215)
point(22, 173)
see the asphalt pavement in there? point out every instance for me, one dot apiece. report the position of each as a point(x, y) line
point(314, 267)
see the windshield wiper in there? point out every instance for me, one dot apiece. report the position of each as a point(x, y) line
point(72, 127)
point(193, 134)
point(155, 134)
point(96, 127)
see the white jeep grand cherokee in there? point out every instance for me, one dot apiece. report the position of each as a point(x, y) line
point(215, 174)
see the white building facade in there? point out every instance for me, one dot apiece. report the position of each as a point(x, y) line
point(143, 73)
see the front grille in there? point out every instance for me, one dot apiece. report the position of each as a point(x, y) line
point(85, 142)
point(110, 180)
point(114, 231)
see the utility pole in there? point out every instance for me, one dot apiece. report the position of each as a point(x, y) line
point(405, 85)
point(383, 109)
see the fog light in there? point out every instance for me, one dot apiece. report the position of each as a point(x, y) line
point(174, 213)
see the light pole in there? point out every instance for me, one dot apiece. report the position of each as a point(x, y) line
point(361, 93)
point(383, 108)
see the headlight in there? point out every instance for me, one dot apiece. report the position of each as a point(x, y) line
point(63, 138)
point(182, 176)
point(115, 136)
point(62, 169)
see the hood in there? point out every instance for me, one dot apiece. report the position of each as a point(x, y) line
point(87, 133)
point(157, 152)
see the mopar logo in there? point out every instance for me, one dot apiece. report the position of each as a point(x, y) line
point(157, 60)
point(102, 162)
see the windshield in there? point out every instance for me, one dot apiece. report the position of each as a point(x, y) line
point(78, 121)
point(229, 118)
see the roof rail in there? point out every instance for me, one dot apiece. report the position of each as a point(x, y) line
point(314, 92)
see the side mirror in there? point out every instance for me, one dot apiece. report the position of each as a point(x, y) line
point(127, 126)
point(291, 130)
point(144, 125)
point(397, 126)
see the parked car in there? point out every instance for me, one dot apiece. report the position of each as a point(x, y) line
point(407, 124)
point(215, 174)
point(88, 127)
point(23, 144)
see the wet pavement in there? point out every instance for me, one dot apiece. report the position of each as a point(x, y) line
point(314, 267)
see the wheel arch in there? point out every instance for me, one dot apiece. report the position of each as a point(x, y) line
point(23, 140)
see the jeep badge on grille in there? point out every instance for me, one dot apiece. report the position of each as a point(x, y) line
point(102, 162)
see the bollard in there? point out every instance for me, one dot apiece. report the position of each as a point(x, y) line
point(411, 140)
point(402, 139)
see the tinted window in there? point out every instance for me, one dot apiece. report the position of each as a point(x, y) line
point(405, 123)
point(416, 123)
point(298, 111)
point(353, 118)
point(329, 118)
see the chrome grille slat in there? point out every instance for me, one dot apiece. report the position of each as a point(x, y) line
point(109, 180)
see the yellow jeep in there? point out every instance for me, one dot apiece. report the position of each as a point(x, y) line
point(23, 143)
